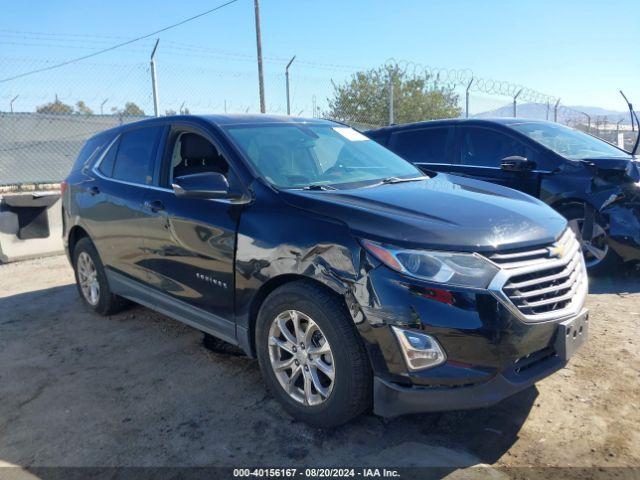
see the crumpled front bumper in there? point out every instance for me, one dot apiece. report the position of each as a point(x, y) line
point(391, 399)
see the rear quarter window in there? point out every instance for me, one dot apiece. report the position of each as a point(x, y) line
point(91, 150)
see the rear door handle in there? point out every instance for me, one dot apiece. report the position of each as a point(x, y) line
point(94, 190)
point(154, 206)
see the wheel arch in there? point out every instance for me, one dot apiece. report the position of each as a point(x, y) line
point(75, 234)
point(271, 285)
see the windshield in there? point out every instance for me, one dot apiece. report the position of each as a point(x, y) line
point(299, 155)
point(570, 143)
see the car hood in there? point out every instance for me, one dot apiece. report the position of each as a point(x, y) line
point(625, 167)
point(445, 212)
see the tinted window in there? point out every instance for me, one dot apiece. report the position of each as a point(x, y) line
point(427, 145)
point(487, 148)
point(106, 165)
point(90, 151)
point(136, 154)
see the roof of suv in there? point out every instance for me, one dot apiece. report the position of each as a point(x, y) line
point(224, 120)
point(460, 121)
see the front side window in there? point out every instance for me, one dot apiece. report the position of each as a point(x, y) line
point(192, 153)
point(565, 141)
point(299, 155)
point(426, 145)
point(483, 147)
point(136, 153)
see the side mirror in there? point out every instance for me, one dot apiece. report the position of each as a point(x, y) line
point(516, 163)
point(202, 185)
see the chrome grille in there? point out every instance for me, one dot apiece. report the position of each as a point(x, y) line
point(543, 283)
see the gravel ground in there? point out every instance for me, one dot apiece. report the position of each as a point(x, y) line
point(139, 389)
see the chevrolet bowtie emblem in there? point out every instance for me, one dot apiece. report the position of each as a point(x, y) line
point(556, 251)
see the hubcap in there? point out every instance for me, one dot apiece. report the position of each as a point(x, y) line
point(594, 250)
point(88, 278)
point(301, 357)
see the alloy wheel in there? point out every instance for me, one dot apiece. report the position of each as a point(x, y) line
point(594, 250)
point(301, 357)
point(88, 279)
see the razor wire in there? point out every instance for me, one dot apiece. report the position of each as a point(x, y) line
point(42, 125)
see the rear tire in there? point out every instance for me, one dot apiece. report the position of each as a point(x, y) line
point(599, 256)
point(91, 280)
point(328, 379)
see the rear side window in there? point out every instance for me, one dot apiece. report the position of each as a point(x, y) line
point(486, 148)
point(90, 151)
point(135, 156)
point(425, 145)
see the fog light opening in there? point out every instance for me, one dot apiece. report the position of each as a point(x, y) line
point(420, 350)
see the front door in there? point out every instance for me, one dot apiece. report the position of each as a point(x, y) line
point(480, 152)
point(190, 242)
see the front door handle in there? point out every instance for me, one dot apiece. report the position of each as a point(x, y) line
point(154, 206)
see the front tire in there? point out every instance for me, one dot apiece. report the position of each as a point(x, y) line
point(311, 356)
point(599, 257)
point(91, 280)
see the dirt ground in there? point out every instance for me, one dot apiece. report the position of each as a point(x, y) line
point(139, 389)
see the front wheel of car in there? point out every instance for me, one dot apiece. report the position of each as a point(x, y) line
point(311, 356)
point(599, 257)
point(91, 280)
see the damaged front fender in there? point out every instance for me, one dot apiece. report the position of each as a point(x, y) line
point(622, 216)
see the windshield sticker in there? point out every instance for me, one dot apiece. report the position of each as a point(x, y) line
point(350, 134)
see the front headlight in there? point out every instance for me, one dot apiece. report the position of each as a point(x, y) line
point(449, 268)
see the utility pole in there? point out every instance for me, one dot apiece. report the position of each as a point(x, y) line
point(154, 81)
point(11, 102)
point(555, 111)
point(102, 106)
point(466, 108)
point(391, 97)
point(588, 121)
point(256, 5)
point(515, 102)
point(286, 74)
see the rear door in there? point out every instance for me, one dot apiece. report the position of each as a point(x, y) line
point(190, 242)
point(112, 206)
point(479, 154)
point(430, 148)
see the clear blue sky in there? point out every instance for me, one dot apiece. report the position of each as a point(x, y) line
point(583, 51)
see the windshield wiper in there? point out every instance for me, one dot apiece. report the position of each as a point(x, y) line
point(318, 186)
point(390, 180)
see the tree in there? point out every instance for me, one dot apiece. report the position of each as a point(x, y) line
point(364, 98)
point(82, 108)
point(131, 108)
point(55, 107)
point(170, 112)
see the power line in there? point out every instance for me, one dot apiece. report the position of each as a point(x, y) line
point(99, 52)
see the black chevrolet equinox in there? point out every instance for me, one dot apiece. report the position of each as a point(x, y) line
point(356, 280)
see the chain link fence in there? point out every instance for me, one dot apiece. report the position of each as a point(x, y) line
point(45, 119)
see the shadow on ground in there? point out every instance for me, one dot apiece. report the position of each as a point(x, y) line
point(139, 389)
point(626, 280)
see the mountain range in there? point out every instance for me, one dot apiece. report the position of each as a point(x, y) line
point(565, 113)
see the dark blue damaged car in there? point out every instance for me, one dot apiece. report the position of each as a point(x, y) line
point(593, 184)
point(356, 280)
